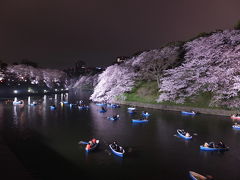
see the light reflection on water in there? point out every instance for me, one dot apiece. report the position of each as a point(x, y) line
point(155, 152)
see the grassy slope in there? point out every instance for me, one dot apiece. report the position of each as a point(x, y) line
point(147, 92)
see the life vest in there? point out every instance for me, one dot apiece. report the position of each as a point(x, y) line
point(88, 146)
point(94, 140)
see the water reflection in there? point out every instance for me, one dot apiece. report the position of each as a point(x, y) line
point(150, 144)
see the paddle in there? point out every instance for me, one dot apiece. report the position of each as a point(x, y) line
point(82, 142)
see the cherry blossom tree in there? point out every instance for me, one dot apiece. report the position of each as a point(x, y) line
point(212, 64)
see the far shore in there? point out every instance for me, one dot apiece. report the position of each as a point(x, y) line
point(220, 112)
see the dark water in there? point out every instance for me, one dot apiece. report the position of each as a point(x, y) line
point(46, 142)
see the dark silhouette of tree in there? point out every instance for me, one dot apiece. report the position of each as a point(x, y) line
point(237, 26)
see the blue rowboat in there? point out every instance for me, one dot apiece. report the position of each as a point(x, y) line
point(145, 114)
point(213, 149)
point(113, 119)
point(131, 108)
point(188, 112)
point(182, 133)
point(139, 120)
point(100, 104)
point(196, 176)
point(52, 107)
point(83, 107)
point(113, 105)
point(237, 127)
point(102, 111)
point(118, 153)
point(17, 102)
point(94, 146)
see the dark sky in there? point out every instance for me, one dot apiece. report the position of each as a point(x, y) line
point(57, 33)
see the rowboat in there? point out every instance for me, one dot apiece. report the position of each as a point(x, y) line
point(102, 111)
point(196, 176)
point(182, 134)
point(112, 118)
point(139, 120)
point(235, 116)
point(100, 104)
point(236, 126)
point(83, 107)
point(17, 102)
point(131, 108)
point(93, 147)
point(118, 153)
point(213, 148)
point(188, 112)
point(113, 105)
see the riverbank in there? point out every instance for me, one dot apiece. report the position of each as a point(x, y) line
point(220, 112)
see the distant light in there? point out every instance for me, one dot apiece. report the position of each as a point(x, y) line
point(15, 91)
point(44, 90)
point(61, 89)
point(66, 89)
point(29, 90)
point(56, 90)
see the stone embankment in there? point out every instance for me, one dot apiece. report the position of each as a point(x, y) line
point(219, 112)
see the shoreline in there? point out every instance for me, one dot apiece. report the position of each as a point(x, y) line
point(219, 112)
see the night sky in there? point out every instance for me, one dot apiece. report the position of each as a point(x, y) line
point(57, 33)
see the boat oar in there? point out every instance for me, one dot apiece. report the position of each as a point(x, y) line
point(82, 142)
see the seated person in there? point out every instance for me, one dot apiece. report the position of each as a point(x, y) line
point(211, 145)
point(221, 144)
point(187, 134)
point(206, 144)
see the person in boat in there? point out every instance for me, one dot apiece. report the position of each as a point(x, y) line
point(211, 145)
point(94, 141)
point(237, 115)
point(120, 149)
point(206, 144)
point(183, 132)
point(221, 145)
point(88, 146)
point(115, 116)
point(53, 106)
point(103, 109)
point(187, 134)
point(115, 146)
point(91, 143)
